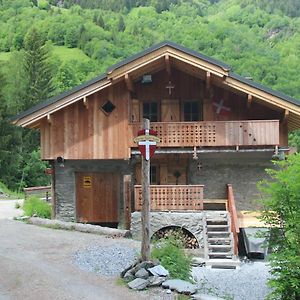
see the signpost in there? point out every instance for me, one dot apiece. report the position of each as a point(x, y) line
point(146, 140)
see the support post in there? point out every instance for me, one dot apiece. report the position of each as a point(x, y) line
point(127, 200)
point(145, 216)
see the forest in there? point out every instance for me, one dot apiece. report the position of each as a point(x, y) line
point(47, 47)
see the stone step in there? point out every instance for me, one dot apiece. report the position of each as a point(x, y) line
point(218, 234)
point(219, 239)
point(219, 246)
point(224, 255)
point(217, 221)
point(221, 263)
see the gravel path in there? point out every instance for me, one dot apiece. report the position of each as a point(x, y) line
point(246, 283)
point(8, 209)
point(108, 261)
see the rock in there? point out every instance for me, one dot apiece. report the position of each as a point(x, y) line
point(169, 292)
point(128, 276)
point(158, 271)
point(142, 273)
point(137, 261)
point(181, 286)
point(147, 264)
point(138, 284)
point(205, 297)
point(156, 280)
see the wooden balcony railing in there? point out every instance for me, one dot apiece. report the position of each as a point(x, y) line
point(215, 133)
point(234, 219)
point(171, 197)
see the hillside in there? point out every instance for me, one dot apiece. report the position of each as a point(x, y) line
point(81, 38)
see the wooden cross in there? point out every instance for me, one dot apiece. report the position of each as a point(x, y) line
point(170, 87)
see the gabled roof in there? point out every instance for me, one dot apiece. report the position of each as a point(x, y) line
point(152, 55)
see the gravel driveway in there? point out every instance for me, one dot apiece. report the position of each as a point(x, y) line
point(8, 209)
point(38, 263)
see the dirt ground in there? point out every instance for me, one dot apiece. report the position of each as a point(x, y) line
point(8, 208)
point(36, 263)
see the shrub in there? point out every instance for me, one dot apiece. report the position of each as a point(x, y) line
point(170, 253)
point(282, 213)
point(35, 206)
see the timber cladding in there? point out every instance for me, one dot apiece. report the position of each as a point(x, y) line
point(97, 197)
point(83, 131)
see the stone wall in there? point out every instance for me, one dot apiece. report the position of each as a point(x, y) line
point(65, 189)
point(191, 221)
point(242, 170)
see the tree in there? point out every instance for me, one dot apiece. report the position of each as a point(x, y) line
point(281, 212)
point(37, 69)
point(121, 24)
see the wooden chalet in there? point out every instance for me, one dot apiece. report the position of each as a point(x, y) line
point(218, 132)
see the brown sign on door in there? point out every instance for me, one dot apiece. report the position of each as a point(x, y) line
point(87, 182)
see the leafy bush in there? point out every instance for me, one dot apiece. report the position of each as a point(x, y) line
point(35, 206)
point(171, 255)
point(282, 213)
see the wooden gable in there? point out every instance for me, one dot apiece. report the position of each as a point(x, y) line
point(75, 126)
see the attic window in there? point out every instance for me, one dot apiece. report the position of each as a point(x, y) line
point(107, 107)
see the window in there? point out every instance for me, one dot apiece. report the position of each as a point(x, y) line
point(154, 174)
point(192, 111)
point(107, 107)
point(150, 111)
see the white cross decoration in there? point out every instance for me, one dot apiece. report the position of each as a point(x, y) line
point(170, 87)
point(147, 143)
point(220, 106)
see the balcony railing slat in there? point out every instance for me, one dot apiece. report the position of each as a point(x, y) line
point(214, 133)
point(172, 197)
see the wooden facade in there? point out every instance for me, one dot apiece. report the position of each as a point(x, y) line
point(194, 102)
point(81, 130)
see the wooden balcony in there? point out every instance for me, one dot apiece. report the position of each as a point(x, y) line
point(214, 133)
point(171, 197)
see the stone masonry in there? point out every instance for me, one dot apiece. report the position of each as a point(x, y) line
point(65, 189)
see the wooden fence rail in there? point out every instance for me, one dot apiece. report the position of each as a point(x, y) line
point(215, 133)
point(171, 197)
point(234, 219)
point(43, 192)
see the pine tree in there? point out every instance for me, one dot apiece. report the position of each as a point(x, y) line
point(121, 25)
point(37, 69)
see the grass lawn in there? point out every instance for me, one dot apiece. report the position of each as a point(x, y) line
point(66, 54)
point(4, 56)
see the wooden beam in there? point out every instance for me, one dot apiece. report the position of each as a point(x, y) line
point(127, 200)
point(85, 102)
point(145, 216)
point(168, 64)
point(249, 100)
point(129, 83)
point(208, 80)
point(285, 116)
point(49, 119)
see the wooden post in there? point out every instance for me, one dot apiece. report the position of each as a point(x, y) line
point(127, 200)
point(146, 203)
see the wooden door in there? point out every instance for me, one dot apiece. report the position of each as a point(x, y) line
point(97, 197)
point(170, 110)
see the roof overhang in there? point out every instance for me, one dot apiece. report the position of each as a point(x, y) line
point(154, 59)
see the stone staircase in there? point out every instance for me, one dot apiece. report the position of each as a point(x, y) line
point(218, 240)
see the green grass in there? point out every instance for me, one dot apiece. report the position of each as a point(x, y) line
point(170, 253)
point(35, 206)
point(67, 54)
point(11, 195)
point(4, 56)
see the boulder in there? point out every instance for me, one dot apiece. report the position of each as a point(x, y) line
point(158, 271)
point(138, 284)
point(156, 280)
point(142, 273)
point(181, 286)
